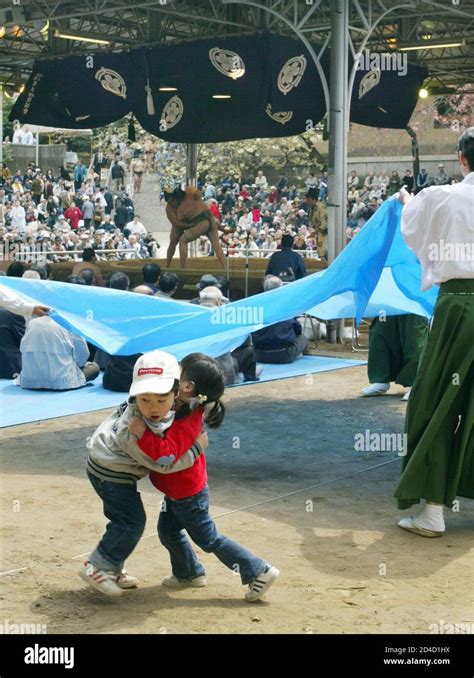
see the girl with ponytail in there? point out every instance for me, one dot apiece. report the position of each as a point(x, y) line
point(186, 501)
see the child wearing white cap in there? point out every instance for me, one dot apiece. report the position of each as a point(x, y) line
point(118, 458)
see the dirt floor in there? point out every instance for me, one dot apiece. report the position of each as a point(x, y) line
point(345, 565)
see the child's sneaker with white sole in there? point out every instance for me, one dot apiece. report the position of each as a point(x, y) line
point(101, 580)
point(260, 585)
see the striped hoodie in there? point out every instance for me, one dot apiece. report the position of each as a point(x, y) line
point(114, 453)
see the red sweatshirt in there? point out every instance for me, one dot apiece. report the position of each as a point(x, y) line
point(184, 433)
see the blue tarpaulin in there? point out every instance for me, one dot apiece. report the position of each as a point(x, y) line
point(376, 273)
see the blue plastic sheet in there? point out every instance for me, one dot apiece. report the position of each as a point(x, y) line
point(375, 273)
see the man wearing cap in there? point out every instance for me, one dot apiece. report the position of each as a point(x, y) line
point(439, 464)
point(441, 178)
point(207, 280)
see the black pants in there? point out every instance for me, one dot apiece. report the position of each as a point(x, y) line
point(285, 354)
point(246, 361)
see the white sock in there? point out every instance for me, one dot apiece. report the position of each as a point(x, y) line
point(431, 518)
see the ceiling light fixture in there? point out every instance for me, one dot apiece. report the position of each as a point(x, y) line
point(440, 44)
point(81, 38)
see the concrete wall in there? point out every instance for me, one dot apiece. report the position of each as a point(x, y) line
point(50, 156)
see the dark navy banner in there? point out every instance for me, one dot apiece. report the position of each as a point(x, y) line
point(274, 87)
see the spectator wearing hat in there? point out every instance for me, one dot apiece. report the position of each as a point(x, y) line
point(207, 280)
point(441, 178)
point(282, 342)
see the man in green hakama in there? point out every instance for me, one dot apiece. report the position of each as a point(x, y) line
point(438, 224)
point(395, 346)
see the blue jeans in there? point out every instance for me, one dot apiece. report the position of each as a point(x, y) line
point(124, 508)
point(192, 514)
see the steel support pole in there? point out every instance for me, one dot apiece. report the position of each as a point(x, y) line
point(1, 123)
point(191, 164)
point(191, 180)
point(338, 102)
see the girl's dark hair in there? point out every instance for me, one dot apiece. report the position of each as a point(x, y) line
point(208, 380)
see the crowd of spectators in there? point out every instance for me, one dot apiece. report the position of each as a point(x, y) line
point(365, 195)
point(54, 216)
point(254, 215)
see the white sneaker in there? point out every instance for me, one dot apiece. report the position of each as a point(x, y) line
point(259, 586)
point(375, 389)
point(127, 581)
point(173, 582)
point(101, 580)
point(407, 395)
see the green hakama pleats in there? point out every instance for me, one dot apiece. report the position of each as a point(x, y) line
point(395, 347)
point(439, 464)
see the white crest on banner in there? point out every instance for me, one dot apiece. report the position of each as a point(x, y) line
point(291, 74)
point(227, 62)
point(172, 113)
point(368, 82)
point(282, 117)
point(112, 82)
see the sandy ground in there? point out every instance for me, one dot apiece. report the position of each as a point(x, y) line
point(345, 566)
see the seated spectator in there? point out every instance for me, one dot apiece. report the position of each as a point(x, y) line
point(282, 342)
point(32, 275)
point(207, 280)
point(12, 329)
point(88, 276)
point(54, 358)
point(119, 281)
point(286, 264)
point(408, 180)
point(151, 274)
point(167, 284)
point(89, 260)
point(240, 364)
point(118, 374)
point(143, 289)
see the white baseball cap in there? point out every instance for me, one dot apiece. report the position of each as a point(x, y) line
point(154, 372)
